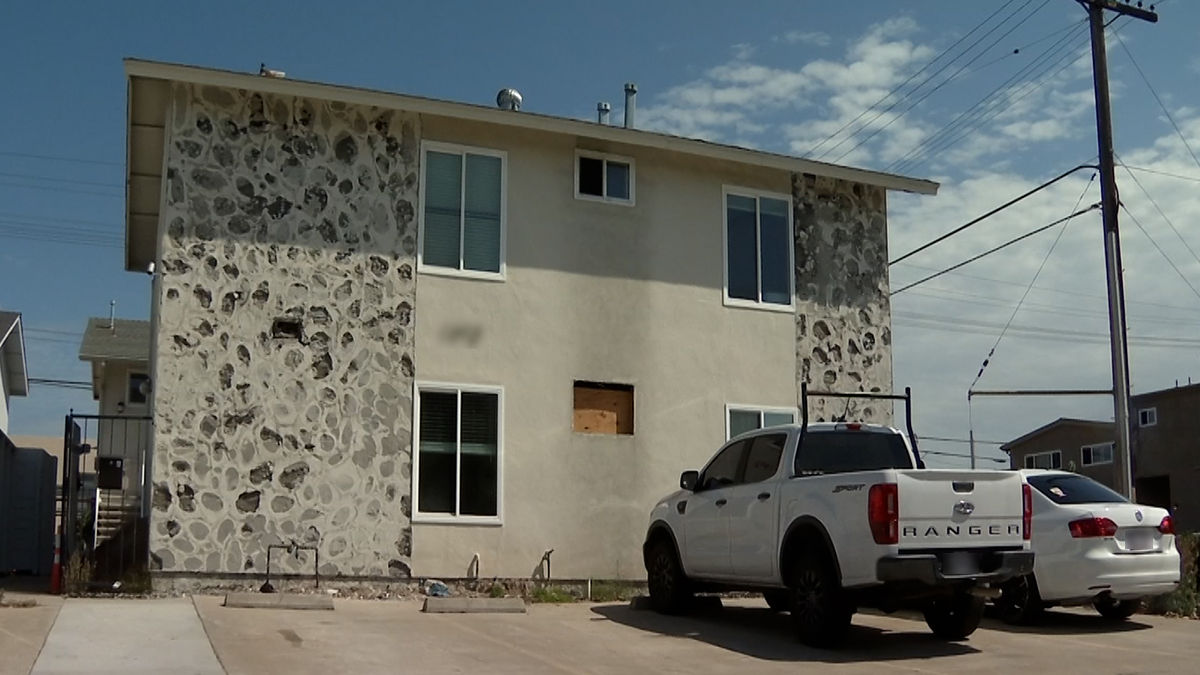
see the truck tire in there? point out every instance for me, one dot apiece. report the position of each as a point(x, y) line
point(1021, 603)
point(777, 600)
point(670, 590)
point(1116, 610)
point(954, 618)
point(820, 611)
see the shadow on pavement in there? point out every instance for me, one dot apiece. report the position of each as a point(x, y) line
point(764, 634)
point(1054, 622)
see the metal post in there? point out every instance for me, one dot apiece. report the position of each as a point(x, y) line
point(971, 428)
point(1112, 239)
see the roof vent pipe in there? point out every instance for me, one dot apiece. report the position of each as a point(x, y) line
point(602, 109)
point(630, 103)
point(509, 99)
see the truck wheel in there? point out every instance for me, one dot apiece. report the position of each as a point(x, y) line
point(777, 600)
point(670, 591)
point(1021, 603)
point(1116, 610)
point(820, 611)
point(956, 617)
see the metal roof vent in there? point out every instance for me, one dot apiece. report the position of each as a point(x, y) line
point(509, 98)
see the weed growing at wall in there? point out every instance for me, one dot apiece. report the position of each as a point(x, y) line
point(1185, 601)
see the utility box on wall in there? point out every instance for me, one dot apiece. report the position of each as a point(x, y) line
point(110, 473)
point(28, 480)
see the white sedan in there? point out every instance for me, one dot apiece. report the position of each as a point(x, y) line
point(1091, 547)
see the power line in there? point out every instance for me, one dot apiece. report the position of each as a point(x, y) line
point(51, 219)
point(960, 440)
point(1158, 208)
point(1010, 242)
point(1160, 250)
point(987, 359)
point(959, 327)
point(1156, 96)
point(62, 189)
point(902, 84)
point(52, 331)
point(1059, 310)
point(77, 160)
point(1194, 179)
point(10, 234)
point(26, 176)
point(944, 83)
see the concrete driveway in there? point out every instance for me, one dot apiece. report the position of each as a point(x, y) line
point(369, 637)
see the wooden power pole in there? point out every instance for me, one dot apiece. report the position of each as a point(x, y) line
point(1112, 238)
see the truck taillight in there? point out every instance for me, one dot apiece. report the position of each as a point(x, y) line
point(1167, 526)
point(883, 513)
point(1026, 512)
point(1091, 528)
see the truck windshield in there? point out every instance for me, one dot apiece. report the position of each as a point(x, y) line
point(825, 452)
point(1074, 489)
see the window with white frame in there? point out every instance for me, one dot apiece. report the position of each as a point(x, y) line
point(740, 419)
point(758, 249)
point(462, 210)
point(1101, 453)
point(603, 177)
point(1148, 417)
point(458, 438)
point(1044, 460)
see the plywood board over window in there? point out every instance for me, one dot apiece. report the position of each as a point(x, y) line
point(603, 408)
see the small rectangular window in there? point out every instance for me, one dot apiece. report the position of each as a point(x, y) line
point(462, 210)
point(603, 177)
point(1148, 417)
point(136, 395)
point(1097, 454)
point(758, 250)
point(1044, 460)
point(603, 408)
point(740, 419)
point(457, 473)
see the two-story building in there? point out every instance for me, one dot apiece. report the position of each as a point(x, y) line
point(431, 337)
point(1166, 451)
point(1082, 446)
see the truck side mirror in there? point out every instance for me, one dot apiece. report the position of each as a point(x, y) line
point(687, 480)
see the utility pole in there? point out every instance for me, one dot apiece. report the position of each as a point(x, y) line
point(1112, 238)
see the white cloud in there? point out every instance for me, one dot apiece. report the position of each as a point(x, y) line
point(813, 38)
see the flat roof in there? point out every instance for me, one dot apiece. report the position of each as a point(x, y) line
point(107, 339)
point(149, 99)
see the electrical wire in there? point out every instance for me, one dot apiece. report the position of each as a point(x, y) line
point(948, 295)
point(1160, 250)
point(1158, 208)
point(1077, 338)
point(77, 160)
point(1194, 179)
point(63, 189)
point(991, 353)
point(25, 217)
point(995, 249)
point(910, 79)
point(1162, 105)
point(944, 83)
point(26, 176)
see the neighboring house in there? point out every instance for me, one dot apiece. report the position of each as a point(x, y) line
point(14, 374)
point(1082, 446)
point(1166, 429)
point(432, 337)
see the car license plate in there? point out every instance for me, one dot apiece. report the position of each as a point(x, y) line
point(1139, 540)
point(957, 563)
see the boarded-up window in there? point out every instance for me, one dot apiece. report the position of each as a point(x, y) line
point(602, 408)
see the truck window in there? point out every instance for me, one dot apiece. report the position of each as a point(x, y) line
point(825, 452)
point(722, 471)
point(1074, 489)
point(762, 461)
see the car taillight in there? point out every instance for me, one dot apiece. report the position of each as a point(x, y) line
point(883, 513)
point(1167, 526)
point(1088, 528)
point(1026, 512)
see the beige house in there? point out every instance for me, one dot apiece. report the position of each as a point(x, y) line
point(433, 338)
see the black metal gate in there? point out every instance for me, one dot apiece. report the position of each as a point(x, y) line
point(105, 508)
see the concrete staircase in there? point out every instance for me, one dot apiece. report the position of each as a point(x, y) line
point(114, 515)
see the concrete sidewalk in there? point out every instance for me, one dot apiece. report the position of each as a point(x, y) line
point(128, 636)
point(23, 631)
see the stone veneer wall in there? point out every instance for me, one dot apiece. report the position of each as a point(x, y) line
point(284, 207)
point(843, 313)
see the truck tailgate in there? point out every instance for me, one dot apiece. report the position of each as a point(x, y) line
point(960, 509)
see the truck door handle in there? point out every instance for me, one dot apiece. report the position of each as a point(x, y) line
point(721, 502)
point(763, 496)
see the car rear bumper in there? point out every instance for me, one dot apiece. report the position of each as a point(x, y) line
point(1125, 577)
point(929, 568)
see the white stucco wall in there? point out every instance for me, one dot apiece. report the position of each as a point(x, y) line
point(3, 403)
point(575, 306)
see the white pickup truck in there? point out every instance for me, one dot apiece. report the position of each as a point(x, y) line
point(825, 518)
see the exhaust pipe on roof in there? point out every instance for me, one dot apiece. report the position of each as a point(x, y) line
point(602, 109)
point(630, 104)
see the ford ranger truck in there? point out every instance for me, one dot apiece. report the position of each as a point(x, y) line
point(826, 518)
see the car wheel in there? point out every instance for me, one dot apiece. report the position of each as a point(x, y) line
point(820, 611)
point(1020, 602)
point(1116, 610)
point(777, 600)
point(954, 618)
point(670, 591)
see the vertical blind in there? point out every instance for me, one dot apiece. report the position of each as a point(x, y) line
point(463, 200)
point(459, 453)
point(758, 248)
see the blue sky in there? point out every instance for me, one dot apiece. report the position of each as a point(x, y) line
point(778, 75)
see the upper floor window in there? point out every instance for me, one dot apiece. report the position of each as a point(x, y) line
point(1044, 460)
point(463, 205)
point(603, 177)
point(740, 419)
point(759, 248)
point(1148, 417)
point(1097, 454)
